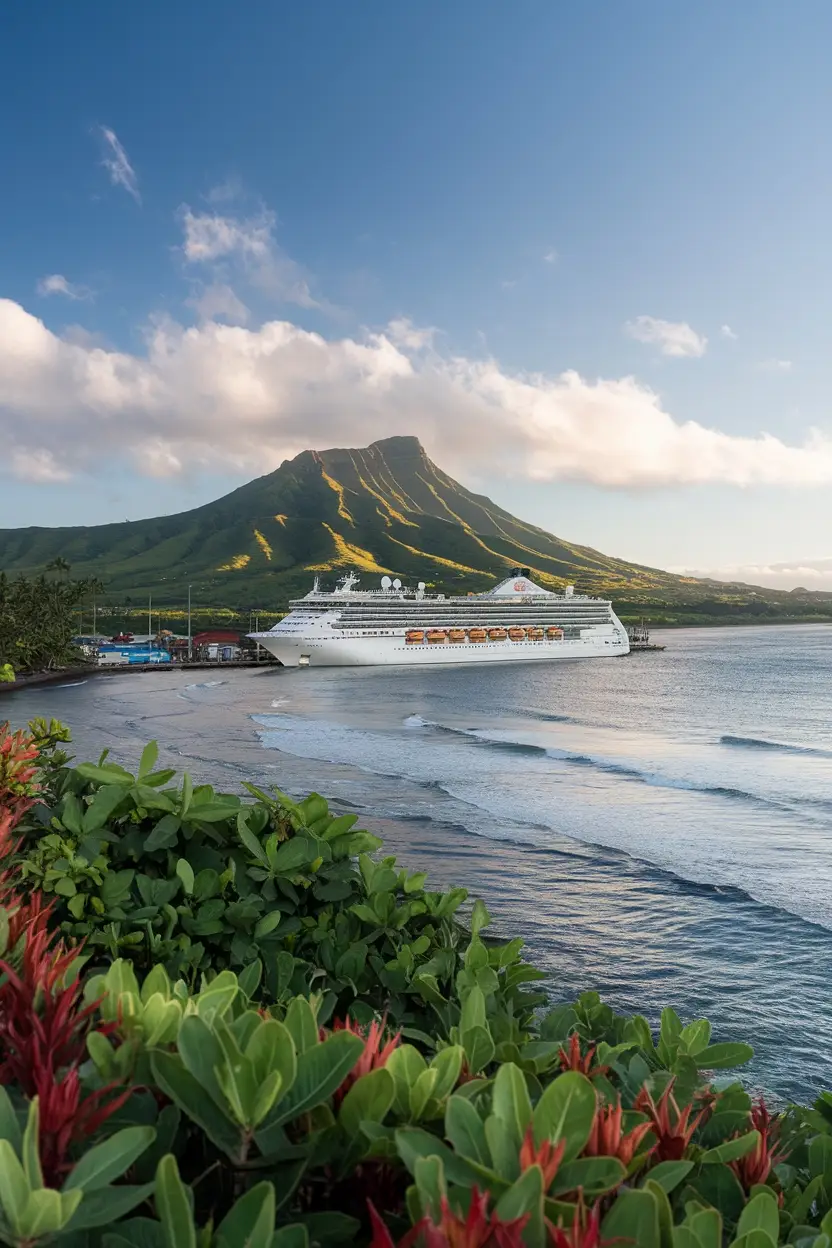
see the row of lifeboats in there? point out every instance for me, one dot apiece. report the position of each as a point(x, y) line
point(442, 636)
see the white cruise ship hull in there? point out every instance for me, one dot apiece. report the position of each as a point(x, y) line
point(394, 651)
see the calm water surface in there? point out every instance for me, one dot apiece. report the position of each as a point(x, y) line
point(659, 827)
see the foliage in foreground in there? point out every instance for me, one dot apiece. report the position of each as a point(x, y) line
point(328, 1054)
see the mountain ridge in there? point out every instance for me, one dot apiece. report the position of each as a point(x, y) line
point(384, 508)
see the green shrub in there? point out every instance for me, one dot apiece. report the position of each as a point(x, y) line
point(365, 1068)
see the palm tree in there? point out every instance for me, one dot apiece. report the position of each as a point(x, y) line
point(58, 564)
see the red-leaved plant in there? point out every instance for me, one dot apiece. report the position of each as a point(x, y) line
point(573, 1059)
point(476, 1230)
point(43, 1037)
point(756, 1166)
point(375, 1052)
point(673, 1127)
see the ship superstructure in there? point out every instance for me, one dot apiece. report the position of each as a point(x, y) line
point(393, 625)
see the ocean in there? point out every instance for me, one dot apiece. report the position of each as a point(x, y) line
point(658, 827)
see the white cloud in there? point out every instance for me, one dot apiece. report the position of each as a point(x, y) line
point(118, 166)
point(776, 366)
point(812, 574)
point(727, 332)
point(403, 333)
point(220, 396)
point(219, 302)
point(250, 243)
point(550, 256)
point(675, 338)
point(57, 284)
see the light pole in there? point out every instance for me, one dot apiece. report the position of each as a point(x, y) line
point(190, 641)
point(149, 619)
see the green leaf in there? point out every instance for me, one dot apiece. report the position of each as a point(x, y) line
point(669, 1174)
point(320, 1070)
point(14, 1186)
point(525, 1196)
point(106, 1205)
point(633, 1217)
point(478, 1045)
point(64, 887)
point(761, 1213)
point(723, 1056)
point(511, 1103)
point(185, 872)
point(302, 1024)
point(250, 1222)
point(9, 1125)
point(719, 1186)
point(594, 1174)
point(566, 1111)
point(103, 805)
point(430, 1182)
point(30, 1154)
point(105, 1162)
point(177, 1082)
point(267, 924)
point(148, 760)
point(758, 1239)
point(480, 917)
point(466, 1131)
point(136, 1233)
point(173, 1206)
point(368, 1100)
point(696, 1035)
point(413, 1143)
point(163, 834)
point(731, 1150)
point(294, 1236)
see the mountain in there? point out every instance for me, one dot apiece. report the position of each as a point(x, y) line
point(386, 508)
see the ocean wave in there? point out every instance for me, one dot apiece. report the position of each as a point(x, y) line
point(783, 747)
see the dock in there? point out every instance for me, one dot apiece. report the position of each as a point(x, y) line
point(639, 636)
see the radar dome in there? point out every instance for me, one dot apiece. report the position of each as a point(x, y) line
point(397, 584)
point(386, 582)
point(421, 585)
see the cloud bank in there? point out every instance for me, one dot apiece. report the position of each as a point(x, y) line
point(229, 397)
point(812, 574)
point(57, 284)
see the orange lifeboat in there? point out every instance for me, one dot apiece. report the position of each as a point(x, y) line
point(456, 634)
point(516, 634)
point(496, 634)
point(414, 637)
point(554, 634)
point(477, 634)
point(436, 636)
point(534, 634)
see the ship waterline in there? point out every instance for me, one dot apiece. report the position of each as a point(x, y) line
point(393, 626)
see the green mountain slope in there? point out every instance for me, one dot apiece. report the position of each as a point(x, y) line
point(383, 508)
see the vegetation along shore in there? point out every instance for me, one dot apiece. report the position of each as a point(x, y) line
point(233, 1021)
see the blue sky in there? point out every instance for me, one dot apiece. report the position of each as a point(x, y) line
point(542, 237)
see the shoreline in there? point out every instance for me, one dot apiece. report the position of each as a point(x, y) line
point(65, 674)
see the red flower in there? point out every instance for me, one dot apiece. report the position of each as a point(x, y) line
point(548, 1157)
point(671, 1126)
point(374, 1055)
point(606, 1138)
point(756, 1166)
point(585, 1231)
point(476, 1230)
point(572, 1059)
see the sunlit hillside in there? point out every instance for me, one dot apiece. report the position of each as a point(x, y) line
point(382, 509)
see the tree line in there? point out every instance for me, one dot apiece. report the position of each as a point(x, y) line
point(37, 618)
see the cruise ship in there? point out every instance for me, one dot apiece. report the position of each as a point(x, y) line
point(517, 621)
